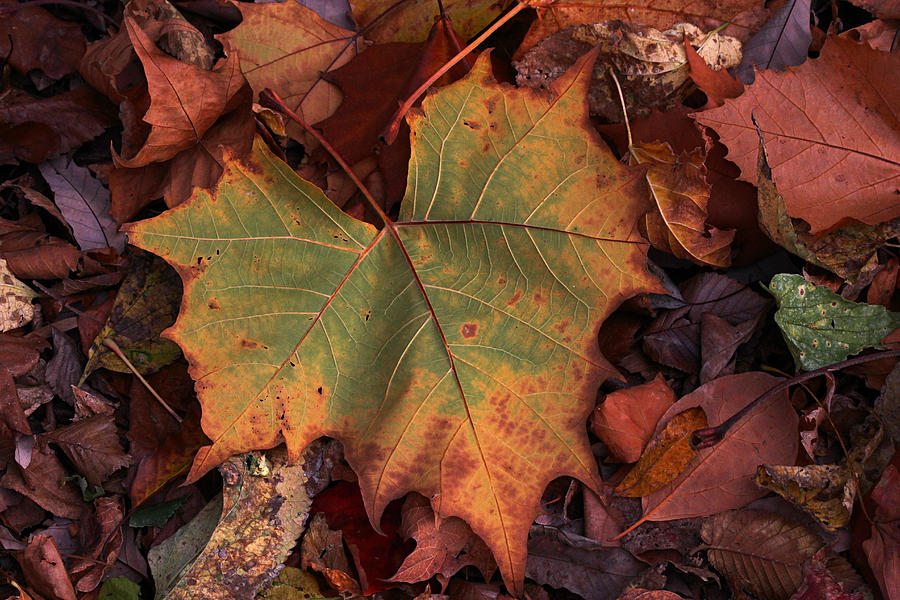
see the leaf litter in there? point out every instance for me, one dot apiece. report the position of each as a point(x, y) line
point(448, 327)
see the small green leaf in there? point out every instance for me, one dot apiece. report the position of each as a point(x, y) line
point(157, 514)
point(119, 588)
point(821, 328)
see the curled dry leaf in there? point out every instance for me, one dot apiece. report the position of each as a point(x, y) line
point(16, 309)
point(626, 419)
point(679, 189)
point(721, 477)
point(827, 492)
point(323, 551)
point(832, 160)
point(759, 552)
point(650, 65)
point(288, 47)
point(666, 456)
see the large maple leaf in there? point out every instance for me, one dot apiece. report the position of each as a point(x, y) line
point(454, 353)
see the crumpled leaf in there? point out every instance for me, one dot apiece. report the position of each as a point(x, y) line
point(820, 327)
point(852, 135)
point(246, 533)
point(626, 419)
point(782, 42)
point(443, 546)
point(145, 305)
point(323, 282)
point(323, 551)
point(92, 444)
point(721, 477)
point(849, 251)
point(592, 572)
point(759, 552)
point(16, 309)
point(825, 491)
point(744, 17)
point(84, 203)
point(411, 21)
point(651, 65)
point(679, 224)
point(666, 456)
point(287, 47)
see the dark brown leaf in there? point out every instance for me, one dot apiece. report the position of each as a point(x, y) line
point(32, 38)
point(92, 444)
point(44, 482)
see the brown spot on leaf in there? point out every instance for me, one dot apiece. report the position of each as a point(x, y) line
point(515, 298)
point(539, 299)
point(469, 330)
point(213, 304)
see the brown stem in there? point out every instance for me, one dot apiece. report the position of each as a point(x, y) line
point(118, 352)
point(704, 438)
point(270, 99)
point(390, 134)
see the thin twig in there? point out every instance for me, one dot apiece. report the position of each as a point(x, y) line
point(118, 352)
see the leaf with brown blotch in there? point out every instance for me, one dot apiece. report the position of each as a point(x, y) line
point(592, 572)
point(626, 419)
point(679, 189)
point(44, 482)
point(92, 444)
point(782, 42)
point(32, 38)
point(744, 16)
point(289, 48)
point(45, 570)
point(716, 84)
point(666, 456)
point(84, 203)
point(462, 361)
point(385, 21)
point(759, 552)
point(833, 160)
point(443, 546)
point(16, 309)
point(185, 100)
point(721, 477)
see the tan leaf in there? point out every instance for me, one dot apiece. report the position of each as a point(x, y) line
point(666, 455)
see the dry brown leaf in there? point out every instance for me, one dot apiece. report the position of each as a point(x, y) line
point(32, 38)
point(287, 47)
point(883, 548)
point(16, 309)
point(44, 569)
point(827, 492)
point(717, 84)
point(668, 453)
point(759, 552)
point(100, 536)
point(830, 131)
point(626, 419)
point(721, 477)
point(92, 444)
point(44, 482)
point(443, 546)
point(679, 189)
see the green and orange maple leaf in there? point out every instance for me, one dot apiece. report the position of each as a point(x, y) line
point(454, 353)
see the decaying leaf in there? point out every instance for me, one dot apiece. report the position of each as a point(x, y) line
point(820, 327)
point(827, 492)
point(233, 547)
point(721, 477)
point(16, 309)
point(294, 583)
point(782, 42)
point(44, 568)
point(666, 456)
point(146, 304)
point(833, 160)
point(759, 552)
point(323, 551)
point(679, 189)
point(626, 419)
point(819, 583)
point(651, 65)
point(443, 546)
point(461, 361)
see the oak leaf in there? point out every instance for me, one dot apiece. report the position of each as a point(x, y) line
point(833, 160)
point(454, 353)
